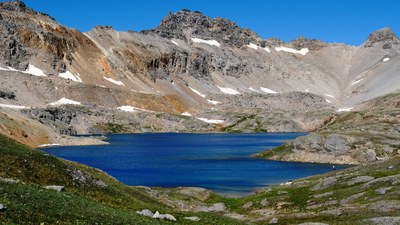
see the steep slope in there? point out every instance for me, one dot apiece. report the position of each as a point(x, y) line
point(369, 133)
point(38, 188)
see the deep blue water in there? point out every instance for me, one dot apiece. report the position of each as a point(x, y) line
point(218, 162)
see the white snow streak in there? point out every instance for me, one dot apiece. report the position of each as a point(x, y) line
point(253, 46)
point(197, 92)
point(348, 109)
point(267, 49)
point(175, 43)
point(68, 75)
point(303, 51)
point(34, 71)
point(331, 96)
point(209, 42)
point(252, 89)
point(127, 108)
point(328, 101)
point(269, 91)
point(213, 102)
point(212, 121)
point(386, 59)
point(117, 82)
point(356, 82)
point(228, 91)
point(65, 101)
point(186, 114)
point(13, 106)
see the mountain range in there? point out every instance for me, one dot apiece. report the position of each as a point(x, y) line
point(194, 73)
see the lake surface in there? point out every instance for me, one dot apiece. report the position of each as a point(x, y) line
point(219, 162)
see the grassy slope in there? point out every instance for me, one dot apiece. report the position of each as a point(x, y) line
point(299, 202)
point(90, 195)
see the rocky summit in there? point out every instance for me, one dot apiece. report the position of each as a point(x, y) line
point(193, 73)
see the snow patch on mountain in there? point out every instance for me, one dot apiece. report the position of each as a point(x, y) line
point(356, 82)
point(269, 91)
point(347, 109)
point(33, 70)
point(209, 42)
point(211, 121)
point(127, 108)
point(65, 101)
point(117, 82)
point(228, 91)
point(267, 49)
point(197, 92)
point(13, 106)
point(253, 46)
point(174, 42)
point(68, 75)
point(213, 102)
point(186, 114)
point(386, 59)
point(328, 95)
point(303, 51)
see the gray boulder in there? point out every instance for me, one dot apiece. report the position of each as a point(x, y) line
point(336, 144)
point(55, 187)
point(145, 212)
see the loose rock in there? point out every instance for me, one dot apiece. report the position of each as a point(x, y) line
point(2, 208)
point(273, 221)
point(192, 218)
point(55, 187)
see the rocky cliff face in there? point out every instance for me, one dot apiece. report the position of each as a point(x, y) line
point(191, 73)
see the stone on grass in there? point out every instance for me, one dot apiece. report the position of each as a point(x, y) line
point(170, 217)
point(273, 221)
point(145, 212)
point(55, 187)
point(192, 218)
point(247, 205)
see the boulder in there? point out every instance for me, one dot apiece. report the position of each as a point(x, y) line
point(273, 221)
point(192, 218)
point(55, 187)
point(247, 205)
point(145, 212)
point(170, 217)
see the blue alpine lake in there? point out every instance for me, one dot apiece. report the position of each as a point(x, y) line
point(219, 162)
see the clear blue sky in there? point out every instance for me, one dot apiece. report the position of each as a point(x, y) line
point(342, 21)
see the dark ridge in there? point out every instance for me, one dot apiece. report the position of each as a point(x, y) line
point(19, 6)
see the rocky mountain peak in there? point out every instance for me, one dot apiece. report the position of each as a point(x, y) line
point(186, 24)
point(19, 6)
point(385, 37)
point(311, 44)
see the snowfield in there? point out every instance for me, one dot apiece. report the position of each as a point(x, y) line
point(303, 51)
point(253, 46)
point(127, 108)
point(269, 91)
point(13, 106)
point(348, 109)
point(186, 114)
point(228, 91)
point(68, 75)
point(211, 121)
point(213, 102)
point(65, 101)
point(174, 42)
point(197, 92)
point(209, 42)
point(32, 70)
point(117, 82)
